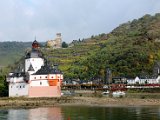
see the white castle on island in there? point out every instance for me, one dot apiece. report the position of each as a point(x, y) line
point(38, 78)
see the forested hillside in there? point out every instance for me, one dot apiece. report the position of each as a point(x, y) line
point(129, 50)
point(10, 52)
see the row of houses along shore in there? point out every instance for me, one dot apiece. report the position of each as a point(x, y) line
point(116, 83)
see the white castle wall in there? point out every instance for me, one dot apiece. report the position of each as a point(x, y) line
point(39, 83)
point(42, 80)
point(15, 79)
point(36, 63)
point(47, 76)
point(38, 77)
point(18, 89)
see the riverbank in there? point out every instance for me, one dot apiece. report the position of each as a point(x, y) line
point(85, 101)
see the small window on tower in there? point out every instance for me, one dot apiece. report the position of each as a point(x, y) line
point(40, 83)
point(34, 77)
point(23, 86)
point(19, 86)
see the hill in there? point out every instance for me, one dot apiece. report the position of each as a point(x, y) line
point(10, 52)
point(129, 50)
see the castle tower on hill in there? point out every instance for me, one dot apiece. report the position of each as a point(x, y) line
point(38, 80)
point(56, 43)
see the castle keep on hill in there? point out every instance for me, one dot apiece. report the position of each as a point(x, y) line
point(38, 79)
point(56, 43)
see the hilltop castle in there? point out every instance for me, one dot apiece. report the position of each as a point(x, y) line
point(38, 79)
point(56, 43)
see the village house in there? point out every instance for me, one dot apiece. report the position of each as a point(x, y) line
point(142, 81)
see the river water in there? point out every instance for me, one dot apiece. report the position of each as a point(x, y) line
point(82, 113)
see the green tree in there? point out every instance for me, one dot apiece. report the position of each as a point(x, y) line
point(64, 45)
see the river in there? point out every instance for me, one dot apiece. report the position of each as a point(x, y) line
point(82, 113)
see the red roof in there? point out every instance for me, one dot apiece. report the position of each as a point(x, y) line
point(35, 44)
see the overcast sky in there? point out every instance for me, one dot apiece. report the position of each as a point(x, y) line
point(22, 20)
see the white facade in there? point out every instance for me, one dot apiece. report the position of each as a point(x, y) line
point(18, 86)
point(39, 83)
point(35, 62)
point(144, 81)
point(18, 89)
point(15, 79)
point(42, 80)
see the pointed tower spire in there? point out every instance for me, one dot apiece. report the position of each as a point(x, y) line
point(35, 44)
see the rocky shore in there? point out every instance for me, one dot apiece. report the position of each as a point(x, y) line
point(86, 101)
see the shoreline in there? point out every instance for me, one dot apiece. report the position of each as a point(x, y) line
point(76, 101)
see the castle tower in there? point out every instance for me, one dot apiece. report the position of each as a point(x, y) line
point(56, 43)
point(58, 35)
point(34, 58)
point(58, 40)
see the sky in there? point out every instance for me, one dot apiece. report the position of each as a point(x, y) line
point(22, 20)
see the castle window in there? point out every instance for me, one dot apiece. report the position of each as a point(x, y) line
point(19, 86)
point(11, 86)
point(40, 83)
point(40, 77)
point(52, 76)
point(16, 86)
point(46, 76)
point(34, 77)
point(23, 86)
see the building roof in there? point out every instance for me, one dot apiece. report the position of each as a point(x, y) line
point(35, 44)
point(17, 74)
point(48, 70)
point(31, 68)
point(34, 54)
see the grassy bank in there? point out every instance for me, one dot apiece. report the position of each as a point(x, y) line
point(129, 100)
point(31, 102)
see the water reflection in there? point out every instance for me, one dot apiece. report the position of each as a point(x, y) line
point(51, 113)
point(112, 113)
point(82, 113)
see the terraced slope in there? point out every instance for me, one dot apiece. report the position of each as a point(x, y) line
point(68, 57)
